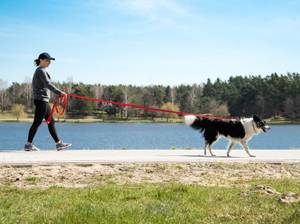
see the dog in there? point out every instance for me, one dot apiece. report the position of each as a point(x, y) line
point(236, 131)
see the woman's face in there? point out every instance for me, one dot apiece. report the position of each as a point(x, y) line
point(45, 63)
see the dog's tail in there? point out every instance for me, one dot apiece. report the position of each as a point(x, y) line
point(195, 122)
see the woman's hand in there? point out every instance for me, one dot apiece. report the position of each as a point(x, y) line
point(62, 93)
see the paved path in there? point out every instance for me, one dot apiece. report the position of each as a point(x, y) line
point(123, 156)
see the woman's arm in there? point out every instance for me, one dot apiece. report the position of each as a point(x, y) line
point(48, 83)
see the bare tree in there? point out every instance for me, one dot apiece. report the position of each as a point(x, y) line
point(18, 111)
point(70, 82)
point(217, 108)
point(28, 91)
point(98, 92)
point(173, 94)
point(3, 86)
point(169, 106)
point(69, 87)
point(125, 93)
point(192, 97)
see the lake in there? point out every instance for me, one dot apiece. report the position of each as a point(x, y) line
point(136, 136)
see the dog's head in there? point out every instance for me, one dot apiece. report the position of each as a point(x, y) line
point(260, 124)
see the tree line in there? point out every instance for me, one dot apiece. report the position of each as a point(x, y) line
point(239, 96)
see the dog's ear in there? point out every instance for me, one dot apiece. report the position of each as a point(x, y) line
point(256, 118)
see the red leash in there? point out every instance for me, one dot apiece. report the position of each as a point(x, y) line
point(62, 101)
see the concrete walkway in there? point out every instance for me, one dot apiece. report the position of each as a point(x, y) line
point(124, 156)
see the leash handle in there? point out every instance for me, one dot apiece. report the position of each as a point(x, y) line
point(62, 101)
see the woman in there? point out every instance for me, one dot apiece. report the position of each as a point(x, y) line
point(42, 85)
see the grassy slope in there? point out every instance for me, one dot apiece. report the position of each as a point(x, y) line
point(148, 203)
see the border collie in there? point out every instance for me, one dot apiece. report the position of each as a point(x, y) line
point(236, 131)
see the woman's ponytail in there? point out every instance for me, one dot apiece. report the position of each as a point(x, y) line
point(37, 62)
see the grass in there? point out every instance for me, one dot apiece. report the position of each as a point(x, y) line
point(147, 203)
point(282, 120)
point(32, 179)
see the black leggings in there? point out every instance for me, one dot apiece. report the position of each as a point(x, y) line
point(42, 110)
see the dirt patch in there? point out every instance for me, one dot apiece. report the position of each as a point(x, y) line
point(286, 197)
point(289, 197)
point(206, 174)
point(265, 190)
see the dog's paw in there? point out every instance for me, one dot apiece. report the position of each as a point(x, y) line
point(228, 155)
point(253, 156)
point(213, 155)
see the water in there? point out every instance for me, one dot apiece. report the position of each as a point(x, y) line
point(137, 136)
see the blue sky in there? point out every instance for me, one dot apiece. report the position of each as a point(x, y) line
point(146, 42)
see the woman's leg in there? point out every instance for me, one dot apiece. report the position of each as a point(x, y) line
point(40, 110)
point(51, 125)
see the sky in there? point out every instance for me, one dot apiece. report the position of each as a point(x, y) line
point(146, 42)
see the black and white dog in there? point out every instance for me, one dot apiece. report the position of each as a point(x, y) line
point(236, 131)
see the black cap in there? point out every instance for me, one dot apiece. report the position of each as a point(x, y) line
point(45, 56)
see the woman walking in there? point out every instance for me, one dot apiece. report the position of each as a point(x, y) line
point(42, 85)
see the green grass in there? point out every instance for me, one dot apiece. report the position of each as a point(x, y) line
point(282, 120)
point(32, 179)
point(147, 203)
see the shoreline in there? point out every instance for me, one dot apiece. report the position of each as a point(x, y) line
point(177, 121)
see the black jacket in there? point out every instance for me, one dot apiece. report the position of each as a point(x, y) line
point(42, 85)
